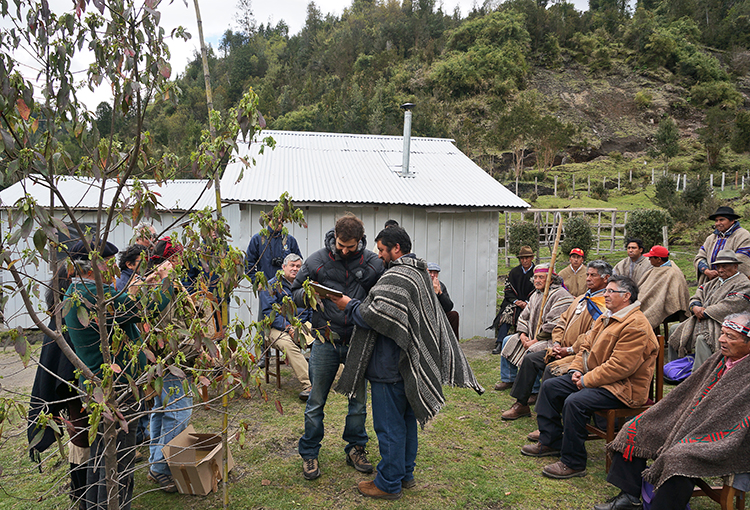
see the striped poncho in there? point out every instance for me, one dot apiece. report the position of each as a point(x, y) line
point(403, 307)
point(700, 429)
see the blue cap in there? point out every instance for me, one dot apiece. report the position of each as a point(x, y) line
point(431, 266)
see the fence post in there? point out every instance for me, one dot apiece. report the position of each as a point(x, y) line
point(711, 184)
point(684, 182)
point(723, 176)
point(665, 236)
point(589, 192)
point(574, 185)
point(630, 179)
point(678, 183)
point(652, 177)
point(536, 186)
point(555, 186)
point(618, 181)
point(743, 183)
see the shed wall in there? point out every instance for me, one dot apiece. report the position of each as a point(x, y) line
point(464, 244)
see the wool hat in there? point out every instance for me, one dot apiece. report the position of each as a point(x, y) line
point(525, 251)
point(724, 212)
point(431, 266)
point(164, 249)
point(658, 251)
point(80, 252)
point(577, 251)
point(726, 257)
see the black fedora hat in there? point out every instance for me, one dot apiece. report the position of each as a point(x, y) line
point(79, 251)
point(724, 212)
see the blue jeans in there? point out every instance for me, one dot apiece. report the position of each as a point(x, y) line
point(396, 427)
point(167, 421)
point(508, 371)
point(325, 359)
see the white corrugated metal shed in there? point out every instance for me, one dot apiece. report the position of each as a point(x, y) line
point(363, 169)
point(82, 193)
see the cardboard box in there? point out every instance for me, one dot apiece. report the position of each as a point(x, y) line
point(196, 461)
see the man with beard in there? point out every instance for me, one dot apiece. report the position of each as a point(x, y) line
point(346, 266)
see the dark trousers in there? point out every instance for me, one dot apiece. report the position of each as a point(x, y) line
point(562, 414)
point(674, 494)
point(453, 321)
point(502, 332)
point(531, 368)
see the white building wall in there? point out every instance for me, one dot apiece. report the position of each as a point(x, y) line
point(464, 244)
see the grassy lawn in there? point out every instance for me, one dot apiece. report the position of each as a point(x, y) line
point(468, 459)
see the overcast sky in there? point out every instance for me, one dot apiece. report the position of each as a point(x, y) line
point(219, 16)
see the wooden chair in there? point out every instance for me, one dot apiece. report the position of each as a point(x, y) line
point(268, 356)
point(727, 496)
point(656, 392)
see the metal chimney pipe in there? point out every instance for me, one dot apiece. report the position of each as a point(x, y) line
point(407, 137)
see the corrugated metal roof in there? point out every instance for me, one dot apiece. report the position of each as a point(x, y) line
point(83, 193)
point(348, 168)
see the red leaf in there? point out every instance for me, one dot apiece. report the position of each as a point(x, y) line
point(24, 110)
point(116, 368)
point(279, 408)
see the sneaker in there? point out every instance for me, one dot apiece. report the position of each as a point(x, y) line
point(310, 469)
point(357, 458)
point(370, 490)
point(518, 410)
point(166, 482)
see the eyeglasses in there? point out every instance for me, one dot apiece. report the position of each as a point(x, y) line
point(612, 291)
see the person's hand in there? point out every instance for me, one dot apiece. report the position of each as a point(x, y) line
point(559, 352)
point(698, 312)
point(577, 378)
point(436, 284)
point(526, 341)
point(520, 304)
point(711, 273)
point(340, 302)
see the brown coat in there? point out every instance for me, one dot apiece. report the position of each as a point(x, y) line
point(618, 354)
point(571, 325)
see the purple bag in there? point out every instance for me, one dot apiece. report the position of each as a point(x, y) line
point(678, 370)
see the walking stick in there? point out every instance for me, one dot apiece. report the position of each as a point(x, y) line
point(549, 275)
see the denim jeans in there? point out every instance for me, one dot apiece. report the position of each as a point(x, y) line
point(508, 371)
point(396, 427)
point(325, 359)
point(169, 416)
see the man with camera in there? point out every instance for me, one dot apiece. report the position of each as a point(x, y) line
point(266, 253)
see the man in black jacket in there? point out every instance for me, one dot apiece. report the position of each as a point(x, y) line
point(518, 289)
point(442, 294)
point(346, 265)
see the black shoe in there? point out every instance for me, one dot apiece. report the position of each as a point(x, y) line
point(621, 502)
point(498, 349)
point(310, 469)
point(357, 458)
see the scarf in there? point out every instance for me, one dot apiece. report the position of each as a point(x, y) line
point(403, 306)
point(594, 305)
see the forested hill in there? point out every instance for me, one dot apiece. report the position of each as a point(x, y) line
point(524, 75)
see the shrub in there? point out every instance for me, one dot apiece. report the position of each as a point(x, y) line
point(665, 192)
point(696, 192)
point(599, 192)
point(643, 99)
point(646, 224)
point(523, 233)
point(577, 232)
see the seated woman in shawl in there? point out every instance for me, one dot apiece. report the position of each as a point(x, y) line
point(700, 429)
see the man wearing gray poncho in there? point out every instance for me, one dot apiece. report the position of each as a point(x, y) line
point(404, 346)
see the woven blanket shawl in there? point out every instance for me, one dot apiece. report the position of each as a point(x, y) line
point(663, 293)
point(719, 300)
point(403, 306)
point(700, 429)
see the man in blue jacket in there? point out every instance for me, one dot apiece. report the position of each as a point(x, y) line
point(344, 264)
point(266, 253)
point(282, 333)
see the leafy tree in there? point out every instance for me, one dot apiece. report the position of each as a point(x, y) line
point(646, 224)
point(577, 234)
point(523, 233)
point(515, 129)
point(550, 137)
point(716, 133)
point(666, 141)
point(740, 141)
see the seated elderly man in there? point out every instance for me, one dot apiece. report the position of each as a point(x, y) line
point(572, 324)
point(697, 430)
point(518, 290)
point(530, 336)
point(574, 275)
point(664, 291)
point(713, 301)
point(613, 369)
point(282, 332)
point(446, 303)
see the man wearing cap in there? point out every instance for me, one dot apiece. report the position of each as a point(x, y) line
point(518, 290)
point(574, 276)
point(698, 430)
point(635, 266)
point(713, 301)
point(664, 293)
point(728, 235)
point(442, 294)
point(535, 325)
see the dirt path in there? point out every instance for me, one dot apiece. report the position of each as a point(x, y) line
point(478, 347)
point(13, 376)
